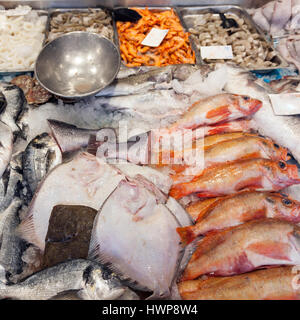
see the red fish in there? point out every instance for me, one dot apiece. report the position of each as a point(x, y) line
point(217, 109)
point(250, 246)
point(245, 147)
point(268, 284)
point(231, 177)
point(236, 209)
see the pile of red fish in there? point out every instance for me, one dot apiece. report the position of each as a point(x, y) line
point(242, 222)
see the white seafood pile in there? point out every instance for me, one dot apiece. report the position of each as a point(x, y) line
point(21, 38)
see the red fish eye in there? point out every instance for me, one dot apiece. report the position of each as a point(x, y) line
point(276, 145)
point(246, 98)
point(282, 165)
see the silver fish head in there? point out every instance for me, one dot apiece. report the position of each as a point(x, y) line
point(101, 284)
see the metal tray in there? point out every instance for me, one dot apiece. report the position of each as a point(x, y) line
point(20, 71)
point(188, 14)
point(55, 11)
point(157, 9)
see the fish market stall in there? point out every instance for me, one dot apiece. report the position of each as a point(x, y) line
point(178, 180)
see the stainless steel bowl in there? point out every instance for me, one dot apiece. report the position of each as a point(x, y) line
point(77, 65)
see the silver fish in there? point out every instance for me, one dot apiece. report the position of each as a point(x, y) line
point(16, 101)
point(11, 246)
point(134, 233)
point(180, 72)
point(6, 146)
point(90, 280)
point(137, 84)
point(157, 78)
point(41, 155)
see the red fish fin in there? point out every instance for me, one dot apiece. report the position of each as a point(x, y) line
point(186, 235)
point(222, 113)
point(271, 249)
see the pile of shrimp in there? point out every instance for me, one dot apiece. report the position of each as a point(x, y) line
point(174, 49)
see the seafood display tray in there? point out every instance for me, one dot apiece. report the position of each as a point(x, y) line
point(53, 12)
point(19, 71)
point(186, 15)
point(189, 14)
point(199, 61)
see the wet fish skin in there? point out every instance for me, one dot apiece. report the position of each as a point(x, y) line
point(267, 284)
point(229, 178)
point(16, 101)
point(217, 109)
point(40, 156)
point(244, 248)
point(11, 246)
point(69, 137)
point(236, 209)
point(6, 146)
point(90, 279)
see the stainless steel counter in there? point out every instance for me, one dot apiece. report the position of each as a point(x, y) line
point(44, 4)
